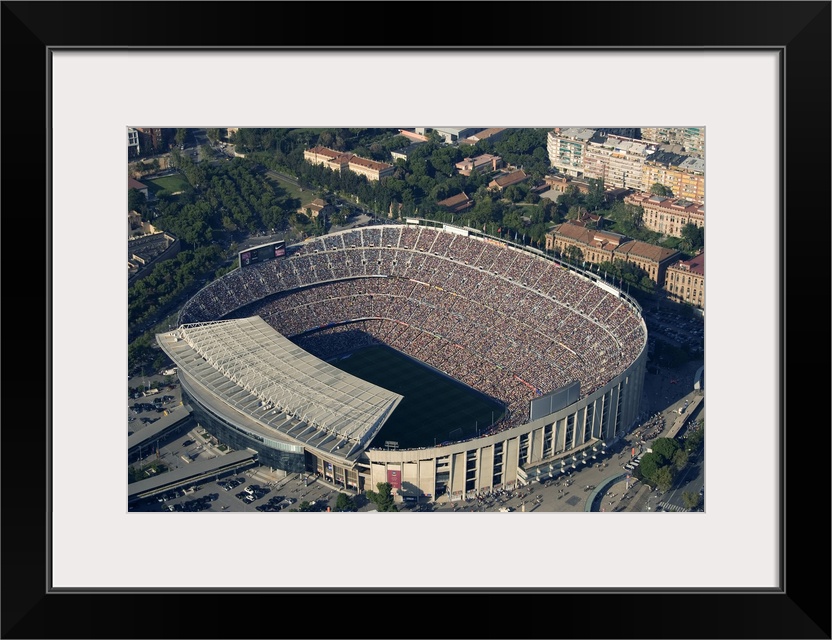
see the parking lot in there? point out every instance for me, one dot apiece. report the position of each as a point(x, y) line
point(256, 490)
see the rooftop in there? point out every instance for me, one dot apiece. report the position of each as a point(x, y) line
point(508, 179)
point(324, 151)
point(454, 200)
point(370, 164)
point(247, 364)
point(647, 250)
point(696, 165)
point(695, 265)
point(575, 133)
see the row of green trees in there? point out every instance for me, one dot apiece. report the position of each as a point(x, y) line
point(661, 466)
point(168, 280)
point(228, 197)
point(429, 176)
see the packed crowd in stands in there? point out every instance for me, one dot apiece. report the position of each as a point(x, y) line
point(504, 321)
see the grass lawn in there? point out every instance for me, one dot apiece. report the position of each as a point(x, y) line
point(293, 191)
point(172, 184)
point(433, 408)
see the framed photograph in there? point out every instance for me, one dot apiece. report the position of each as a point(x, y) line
point(754, 76)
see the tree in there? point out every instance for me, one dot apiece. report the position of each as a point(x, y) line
point(650, 464)
point(690, 500)
point(576, 212)
point(573, 254)
point(213, 134)
point(695, 439)
point(680, 459)
point(136, 200)
point(383, 499)
point(658, 189)
point(337, 218)
point(595, 198)
point(647, 284)
point(344, 503)
point(665, 447)
point(664, 478)
point(693, 238)
point(636, 215)
point(181, 134)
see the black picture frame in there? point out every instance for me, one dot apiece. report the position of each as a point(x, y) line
point(800, 609)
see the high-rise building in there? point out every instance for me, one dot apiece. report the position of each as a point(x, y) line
point(566, 147)
point(618, 161)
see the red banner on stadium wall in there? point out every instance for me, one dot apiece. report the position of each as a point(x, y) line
point(394, 478)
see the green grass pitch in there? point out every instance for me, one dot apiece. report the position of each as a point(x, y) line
point(434, 408)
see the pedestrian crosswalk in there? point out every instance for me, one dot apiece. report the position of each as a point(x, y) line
point(671, 507)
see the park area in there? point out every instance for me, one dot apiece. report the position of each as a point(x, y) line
point(292, 189)
point(174, 183)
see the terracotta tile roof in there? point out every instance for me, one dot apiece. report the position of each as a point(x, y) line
point(590, 237)
point(695, 265)
point(132, 183)
point(453, 201)
point(667, 204)
point(509, 179)
point(487, 133)
point(482, 135)
point(325, 151)
point(370, 164)
point(647, 251)
point(477, 161)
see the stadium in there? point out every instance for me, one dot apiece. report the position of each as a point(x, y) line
point(543, 364)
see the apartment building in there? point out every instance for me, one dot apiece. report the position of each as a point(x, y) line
point(683, 175)
point(618, 161)
point(566, 148)
point(133, 146)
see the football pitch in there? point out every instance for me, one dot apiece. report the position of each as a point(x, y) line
point(434, 409)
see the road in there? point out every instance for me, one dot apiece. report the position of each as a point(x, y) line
point(691, 480)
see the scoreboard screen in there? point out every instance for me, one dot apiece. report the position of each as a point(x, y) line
point(263, 253)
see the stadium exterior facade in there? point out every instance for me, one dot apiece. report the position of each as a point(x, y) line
point(581, 345)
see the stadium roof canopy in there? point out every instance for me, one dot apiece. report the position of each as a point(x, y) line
point(249, 365)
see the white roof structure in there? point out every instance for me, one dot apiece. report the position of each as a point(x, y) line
point(251, 366)
point(693, 164)
point(577, 133)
